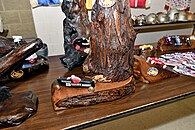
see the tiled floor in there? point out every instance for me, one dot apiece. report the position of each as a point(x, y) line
point(179, 115)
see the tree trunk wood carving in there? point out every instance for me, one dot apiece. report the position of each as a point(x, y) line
point(112, 40)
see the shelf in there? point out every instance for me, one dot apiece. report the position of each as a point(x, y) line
point(164, 25)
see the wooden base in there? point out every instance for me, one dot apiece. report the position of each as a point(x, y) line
point(68, 97)
point(17, 108)
point(141, 68)
point(164, 48)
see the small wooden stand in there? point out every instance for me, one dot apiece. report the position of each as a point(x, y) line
point(164, 48)
point(69, 97)
point(141, 68)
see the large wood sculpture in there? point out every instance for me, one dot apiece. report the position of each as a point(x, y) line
point(110, 59)
point(112, 41)
point(75, 26)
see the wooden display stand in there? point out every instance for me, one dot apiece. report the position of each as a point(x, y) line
point(141, 71)
point(69, 97)
point(142, 68)
point(164, 48)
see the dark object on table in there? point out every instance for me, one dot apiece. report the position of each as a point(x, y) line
point(13, 57)
point(73, 58)
point(29, 68)
point(75, 26)
point(4, 33)
point(16, 107)
point(110, 59)
point(187, 40)
point(4, 93)
point(168, 40)
point(74, 81)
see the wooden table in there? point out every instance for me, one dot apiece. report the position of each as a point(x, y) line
point(146, 96)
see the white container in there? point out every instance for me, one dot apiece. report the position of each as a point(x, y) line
point(1, 25)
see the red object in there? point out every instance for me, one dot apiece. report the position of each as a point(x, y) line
point(76, 80)
point(77, 47)
point(154, 60)
point(32, 60)
point(138, 3)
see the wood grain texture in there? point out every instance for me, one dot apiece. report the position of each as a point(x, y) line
point(70, 97)
point(146, 95)
point(111, 42)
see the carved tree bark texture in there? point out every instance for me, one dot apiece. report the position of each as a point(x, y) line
point(112, 40)
point(75, 26)
point(76, 23)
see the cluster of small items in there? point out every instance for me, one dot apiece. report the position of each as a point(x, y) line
point(171, 16)
point(178, 4)
point(145, 51)
point(177, 40)
point(76, 82)
point(181, 63)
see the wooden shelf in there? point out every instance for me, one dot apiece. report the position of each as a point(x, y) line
point(164, 25)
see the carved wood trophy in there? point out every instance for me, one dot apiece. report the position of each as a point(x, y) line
point(109, 64)
point(112, 40)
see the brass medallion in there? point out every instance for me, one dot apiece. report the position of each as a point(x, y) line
point(17, 74)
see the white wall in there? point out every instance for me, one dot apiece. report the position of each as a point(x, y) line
point(49, 26)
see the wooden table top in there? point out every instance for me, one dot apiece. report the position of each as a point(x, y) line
point(146, 96)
